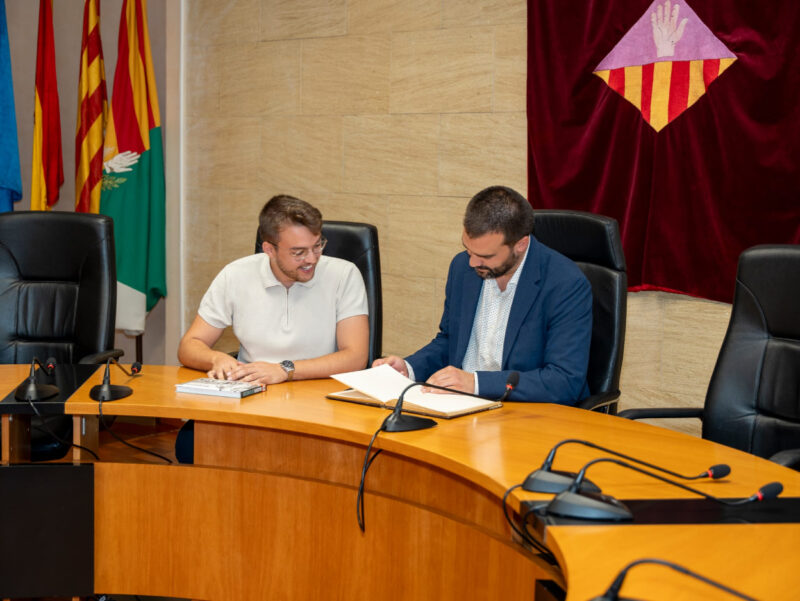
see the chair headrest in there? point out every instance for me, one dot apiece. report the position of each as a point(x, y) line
point(581, 236)
point(771, 273)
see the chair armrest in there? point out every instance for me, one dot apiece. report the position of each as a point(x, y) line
point(604, 401)
point(662, 412)
point(102, 356)
point(789, 458)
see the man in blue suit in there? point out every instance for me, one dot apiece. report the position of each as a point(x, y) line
point(511, 304)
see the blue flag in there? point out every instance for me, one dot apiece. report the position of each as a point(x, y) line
point(10, 178)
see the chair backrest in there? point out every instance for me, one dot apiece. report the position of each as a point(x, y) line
point(358, 242)
point(593, 242)
point(58, 285)
point(753, 399)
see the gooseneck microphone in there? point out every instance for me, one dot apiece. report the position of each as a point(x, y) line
point(612, 593)
point(396, 422)
point(554, 481)
point(31, 390)
point(111, 392)
point(592, 506)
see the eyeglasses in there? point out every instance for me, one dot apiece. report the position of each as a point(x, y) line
point(298, 254)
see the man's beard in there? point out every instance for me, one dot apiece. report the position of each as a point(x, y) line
point(487, 273)
point(293, 272)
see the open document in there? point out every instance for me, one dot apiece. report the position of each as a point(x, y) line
point(381, 386)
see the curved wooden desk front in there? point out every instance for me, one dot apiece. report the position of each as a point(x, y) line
point(268, 511)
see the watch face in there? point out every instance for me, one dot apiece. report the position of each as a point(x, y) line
point(287, 365)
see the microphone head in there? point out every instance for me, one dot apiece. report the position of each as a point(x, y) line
point(136, 367)
point(715, 472)
point(769, 491)
point(513, 380)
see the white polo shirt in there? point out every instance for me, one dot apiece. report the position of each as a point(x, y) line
point(272, 322)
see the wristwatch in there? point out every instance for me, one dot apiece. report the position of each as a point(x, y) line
point(288, 367)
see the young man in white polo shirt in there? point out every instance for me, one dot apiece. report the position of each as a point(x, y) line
point(297, 314)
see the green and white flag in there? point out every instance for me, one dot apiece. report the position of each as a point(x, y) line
point(133, 181)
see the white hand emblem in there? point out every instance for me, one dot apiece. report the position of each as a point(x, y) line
point(121, 162)
point(666, 31)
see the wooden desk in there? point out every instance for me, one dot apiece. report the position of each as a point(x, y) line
point(269, 509)
point(14, 429)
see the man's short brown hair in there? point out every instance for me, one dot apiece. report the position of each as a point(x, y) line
point(499, 210)
point(284, 210)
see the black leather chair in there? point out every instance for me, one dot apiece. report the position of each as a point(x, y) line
point(58, 298)
point(358, 242)
point(753, 399)
point(593, 242)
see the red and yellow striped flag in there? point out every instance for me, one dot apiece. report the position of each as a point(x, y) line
point(663, 90)
point(47, 171)
point(92, 113)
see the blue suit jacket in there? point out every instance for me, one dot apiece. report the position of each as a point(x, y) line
point(548, 334)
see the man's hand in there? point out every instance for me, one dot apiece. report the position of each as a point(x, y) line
point(666, 31)
point(222, 365)
point(259, 372)
point(451, 377)
point(393, 361)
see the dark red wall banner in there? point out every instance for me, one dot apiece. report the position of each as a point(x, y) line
point(681, 119)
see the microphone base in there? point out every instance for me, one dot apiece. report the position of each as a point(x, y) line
point(31, 391)
point(406, 423)
point(589, 507)
point(109, 392)
point(556, 481)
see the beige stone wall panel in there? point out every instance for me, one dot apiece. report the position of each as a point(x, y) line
point(444, 71)
point(457, 13)
point(409, 311)
point(366, 208)
point(346, 76)
point(260, 78)
point(222, 152)
point(395, 154)
point(384, 16)
point(284, 19)
point(424, 235)
point(510, 68)
point(202, 80)
point(480, 150)
point(301, 156)
point(219, 22)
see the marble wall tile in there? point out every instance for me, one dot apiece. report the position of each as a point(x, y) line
point(217, 22)
point(202, 80)
point(510, 68)
point(301, 156)
point(442, 71)
point(480, 150)
point(373, 16)
point(222, 152)
point(457, 13)
point(366, 208)
point(394, 154)
point(424, 235)
point(260, 78)
point(348, 75)
point(408, 310)
point(284, 19)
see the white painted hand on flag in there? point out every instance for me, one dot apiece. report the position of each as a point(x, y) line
point(121, 162)
point(666, 31)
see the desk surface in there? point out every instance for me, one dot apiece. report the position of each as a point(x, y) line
point(494, 449)
point(497, 449)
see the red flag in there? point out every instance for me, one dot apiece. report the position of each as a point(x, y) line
point(47, 172)
point(92, 111)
